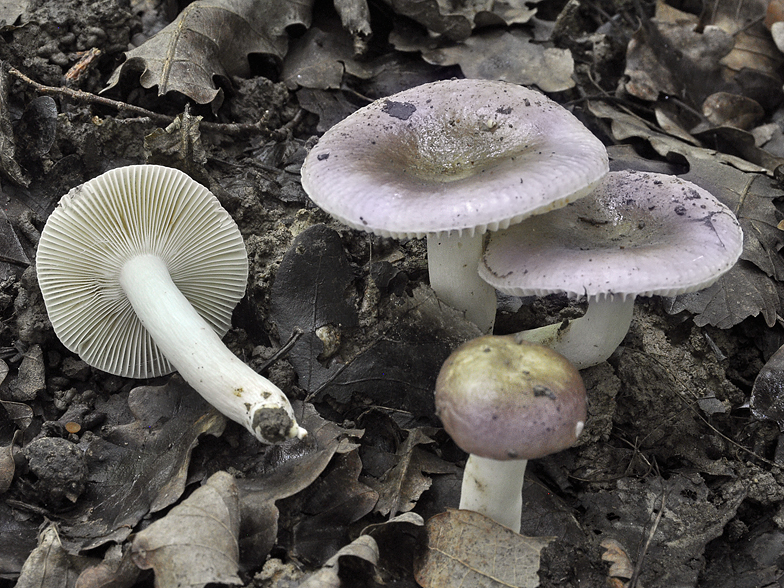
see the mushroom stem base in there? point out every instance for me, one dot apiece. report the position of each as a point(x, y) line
point(195, 349)
point(495, 489)
point(590, 339)
point(453, 263)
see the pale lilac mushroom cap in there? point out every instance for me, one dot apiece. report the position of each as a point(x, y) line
point(452, 156)
point(452, 159)
point(637, 234)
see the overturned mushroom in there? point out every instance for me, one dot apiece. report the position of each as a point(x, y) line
point(140, 269)
point(637, 234)
point(452, 160)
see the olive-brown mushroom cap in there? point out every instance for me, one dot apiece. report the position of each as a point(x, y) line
point(502, 399)
point(637, 234)
point(457, 155)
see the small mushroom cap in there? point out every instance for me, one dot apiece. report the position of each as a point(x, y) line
point(504, 399)
point(637, 234)
point(455, 155)
point(128, 211)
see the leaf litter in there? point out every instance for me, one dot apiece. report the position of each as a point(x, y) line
point(672, 456)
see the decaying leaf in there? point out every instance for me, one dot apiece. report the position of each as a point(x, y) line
point(321, 58)
point(400, 541)
point(509, 56)
point(742, 292)
point(456, 20)
point(686, 525)
point(49, 565)
point(767, 395)
point(621, 566)
point(213, 38)
point(466, 548)
point(625, 125)
point(290, 471)
point(753, 48)
point(331, 504)
point(670, 56)
point(11, 250)
point(360, 556)
point(396, 364)
point(196, 543)
point(117, 570)
point(141, 466)
point(310, 292)
point(400, 487)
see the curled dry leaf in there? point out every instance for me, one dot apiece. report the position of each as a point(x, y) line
point(196, 543)
point(466, 548)
point(361, 554)
point(213, 38)
point(621, 564)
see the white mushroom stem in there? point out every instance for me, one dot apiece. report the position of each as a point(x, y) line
point(452, 263)
point(193, 347)
point(495, 489)
point(592, 338)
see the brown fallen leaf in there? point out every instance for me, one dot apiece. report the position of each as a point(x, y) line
point(767, 397)
point(213, 38)
point(142, 466)
point(670, 56)
point(49, 565)
point(456, 20)
point(621, 564)
point(291, 470)
point(361, 556)
point(466, 548)
point(117, 570)
point(196, 543)
point(401, 486)
point(331, 504)
point(509, 56)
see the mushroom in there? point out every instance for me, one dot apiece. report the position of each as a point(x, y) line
point(506, 401)
point(637, 234)
point(140, 269)
point(451, 160)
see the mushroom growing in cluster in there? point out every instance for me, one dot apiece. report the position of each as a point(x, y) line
point(140, 269)
point(506, 401)
point(451, 160)
point(636, 234)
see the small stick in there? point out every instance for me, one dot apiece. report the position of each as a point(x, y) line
point(260, 127)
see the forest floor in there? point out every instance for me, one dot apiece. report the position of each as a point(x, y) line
point(674, 482)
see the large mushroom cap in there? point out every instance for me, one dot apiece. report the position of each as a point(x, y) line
point(637, 234)
point(125, 212)
point(456, 155)
point(503, 399)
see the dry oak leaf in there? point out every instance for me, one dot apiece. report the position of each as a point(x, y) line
point(213, 38)
point(466, 548)
point(509, 56)
point(196, 543)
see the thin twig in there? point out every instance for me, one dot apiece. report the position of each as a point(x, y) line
point(259, 127)
point(88, 98)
